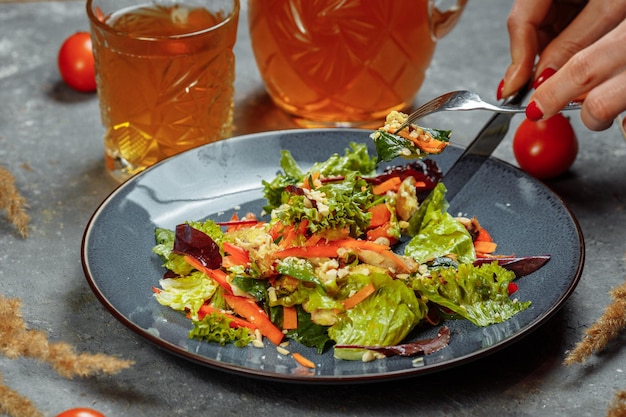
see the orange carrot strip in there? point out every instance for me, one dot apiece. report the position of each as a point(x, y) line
point(314, 177)
point(302, 227)
point(359, 296)
point(484, 246)
point(380, 231)
point(303, 361)
point(380, 215)
point(289, 236)
point(290, 318)
point(425, 142)
point(254, 314)
point(276, 230)
point(313, 240)
point(390, 184)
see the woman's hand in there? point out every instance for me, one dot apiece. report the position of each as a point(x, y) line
point(581, 55)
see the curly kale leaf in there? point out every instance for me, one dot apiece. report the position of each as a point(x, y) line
point(216, 328)
point(356, 159)
point(342, 204)
point(479, 294)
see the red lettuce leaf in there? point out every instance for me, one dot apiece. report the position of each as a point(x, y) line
point(193, 242)
point(425, 347)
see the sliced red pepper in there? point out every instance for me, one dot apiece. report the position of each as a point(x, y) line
point(321, 251)
point(234, 255)
point(249, 310)
point(483, 236)
point(236, 223)
point(277, 229)
point(218, 275)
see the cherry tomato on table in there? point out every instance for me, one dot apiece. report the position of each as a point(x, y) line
point(547, 148)
point(76, 62)
point(80, 412)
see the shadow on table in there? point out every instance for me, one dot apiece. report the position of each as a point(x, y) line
point(62, 93)
point(257, 113)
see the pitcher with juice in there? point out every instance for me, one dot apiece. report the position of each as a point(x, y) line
point(165, 73)
point(345, 62)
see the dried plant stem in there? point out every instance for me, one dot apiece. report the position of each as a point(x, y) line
point(13, 202)
point(15, 405)
point(607, 327)
point(16, 340)
point(618, 405)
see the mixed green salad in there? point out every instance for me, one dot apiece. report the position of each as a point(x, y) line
point(318, 266)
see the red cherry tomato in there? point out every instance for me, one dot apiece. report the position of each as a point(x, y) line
point(76, 62)
point(547, 148)
point(80, 412)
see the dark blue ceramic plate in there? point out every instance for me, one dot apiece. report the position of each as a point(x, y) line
point(523, 215)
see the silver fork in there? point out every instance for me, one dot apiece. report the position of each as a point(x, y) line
point(466, 100)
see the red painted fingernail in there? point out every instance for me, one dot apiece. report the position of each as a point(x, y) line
point(533, 112)
point(500, 88)
point(545, 74)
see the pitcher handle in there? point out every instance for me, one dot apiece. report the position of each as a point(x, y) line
point(442, 21)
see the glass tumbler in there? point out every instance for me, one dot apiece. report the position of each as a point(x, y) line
point(165, 73)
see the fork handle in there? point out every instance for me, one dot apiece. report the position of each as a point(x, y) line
point(574, 105)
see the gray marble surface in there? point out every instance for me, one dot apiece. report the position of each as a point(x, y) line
point(51, 139)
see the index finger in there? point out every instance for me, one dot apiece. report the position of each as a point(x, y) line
point(524, 22)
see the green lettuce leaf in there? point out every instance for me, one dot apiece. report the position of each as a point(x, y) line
point(210, 228)
point(355, 159)
point(309, 333)
point(186, 293)
point(174, 262)
point(384, 318)
point(479, 294)
point(436, 233)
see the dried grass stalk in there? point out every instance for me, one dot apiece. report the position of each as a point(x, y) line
point(618, 405)
point(607, 327)
point(14, 204)
point(16, 340)
point(15, 405)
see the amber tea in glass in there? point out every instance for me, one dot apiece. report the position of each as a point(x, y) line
point(165, 73)
point(345, 62)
